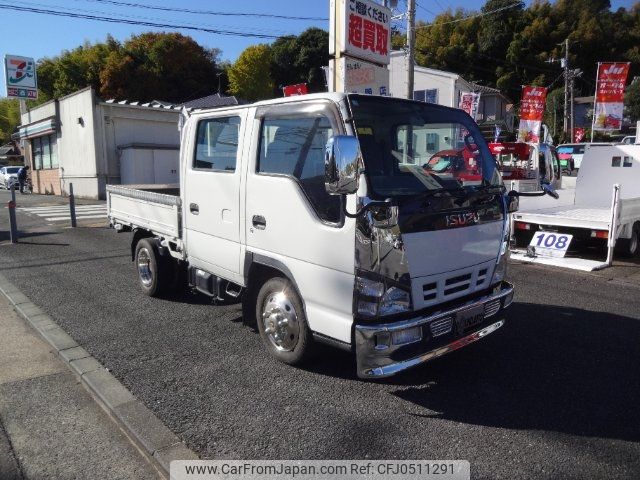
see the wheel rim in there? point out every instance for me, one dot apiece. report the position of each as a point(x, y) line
point(280, 321)
point(144, 266)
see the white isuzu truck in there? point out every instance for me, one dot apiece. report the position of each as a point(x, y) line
point(317, 212)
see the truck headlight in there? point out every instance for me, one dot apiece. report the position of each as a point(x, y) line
point(395, 300)
point(374, 297)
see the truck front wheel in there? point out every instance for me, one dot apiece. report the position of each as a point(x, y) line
point(152, 268)
point(281, 321)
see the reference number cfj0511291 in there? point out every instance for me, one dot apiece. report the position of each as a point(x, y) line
point(320, 469)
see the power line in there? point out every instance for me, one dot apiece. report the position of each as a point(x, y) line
point(426, 10)
point(137, 17)
point(206, 12)
point(135, 22)
point(477, 15)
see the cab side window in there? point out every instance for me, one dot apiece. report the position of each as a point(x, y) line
point(294, 146)
point(217, 144)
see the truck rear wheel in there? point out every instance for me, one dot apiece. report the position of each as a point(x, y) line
point(153, 270)
point(629, 247)
point(281, 321)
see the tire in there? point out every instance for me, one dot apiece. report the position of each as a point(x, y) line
point(154, 271)
point(290, 342)
point(629, 247)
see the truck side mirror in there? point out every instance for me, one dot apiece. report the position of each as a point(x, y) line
point(342, 159)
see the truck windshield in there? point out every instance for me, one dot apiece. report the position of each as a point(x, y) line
point(413, 148)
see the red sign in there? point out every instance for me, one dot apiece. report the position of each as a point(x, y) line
point(367, 30)
point(297, 89)
point(532, 103)
point(611, 80)
point(578, 134)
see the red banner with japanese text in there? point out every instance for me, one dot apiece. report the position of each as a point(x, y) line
point(532, 106)
point(609, 99)
point(297, 89)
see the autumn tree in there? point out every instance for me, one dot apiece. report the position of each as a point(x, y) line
point(250, 76)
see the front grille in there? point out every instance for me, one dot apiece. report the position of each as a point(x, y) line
point(441, 327)
point(491, 308)
point(447, 286)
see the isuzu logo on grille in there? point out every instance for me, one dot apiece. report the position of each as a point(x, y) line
point(462, 219)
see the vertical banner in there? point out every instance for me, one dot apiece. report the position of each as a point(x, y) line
point(609, 98)
point(469, 102)
point(531, 112)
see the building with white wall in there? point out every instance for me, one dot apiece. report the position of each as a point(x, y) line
point(83, 140)
point(444, 88)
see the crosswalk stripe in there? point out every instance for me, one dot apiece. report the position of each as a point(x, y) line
point(78, 217)
point(63, 207)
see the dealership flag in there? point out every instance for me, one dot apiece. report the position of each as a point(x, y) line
point(609, 96)
point(469, 102)
point(531, 113)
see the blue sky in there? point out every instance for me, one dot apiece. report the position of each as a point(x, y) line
point(38, 35)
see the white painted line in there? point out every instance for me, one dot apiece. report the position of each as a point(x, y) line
point(78, 217)
point(568, 262)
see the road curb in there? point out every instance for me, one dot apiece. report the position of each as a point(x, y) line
point(141, 425)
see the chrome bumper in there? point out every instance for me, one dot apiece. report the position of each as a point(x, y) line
point(375, 361)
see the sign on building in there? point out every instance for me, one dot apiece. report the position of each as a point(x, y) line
point(360, 42)
point(364, 30)
point(358, 76)
point(532, 107)
point(20, 77)
point(609, 99)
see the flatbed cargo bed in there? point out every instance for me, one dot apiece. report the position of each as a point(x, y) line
point(157, 208)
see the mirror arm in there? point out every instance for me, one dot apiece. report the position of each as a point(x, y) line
point(514, 193)
point(363, 210)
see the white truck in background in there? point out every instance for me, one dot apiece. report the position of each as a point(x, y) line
point(316, 211)
point(605, 207)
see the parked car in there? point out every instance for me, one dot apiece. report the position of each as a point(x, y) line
point(571, 154)
point(8, 175)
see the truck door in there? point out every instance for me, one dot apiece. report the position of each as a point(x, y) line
point(212, 195)
point(292, 220)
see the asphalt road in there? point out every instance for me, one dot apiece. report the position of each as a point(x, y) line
point(554, 394)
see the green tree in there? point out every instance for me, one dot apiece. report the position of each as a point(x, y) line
point(250, 76)
point(632, 101)
point(163, 66)
point(300, 60)
point(9, 118)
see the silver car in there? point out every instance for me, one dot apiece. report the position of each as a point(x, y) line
point(8, 176)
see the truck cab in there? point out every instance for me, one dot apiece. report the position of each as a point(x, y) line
point(527, 164)
point(319, 211)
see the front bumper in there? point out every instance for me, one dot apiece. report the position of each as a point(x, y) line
point(376, 360)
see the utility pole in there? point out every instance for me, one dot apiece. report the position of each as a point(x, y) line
point(411, 45)
point(566, 87)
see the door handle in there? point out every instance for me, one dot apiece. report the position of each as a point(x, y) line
point(194, 208)
point(259, 222)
